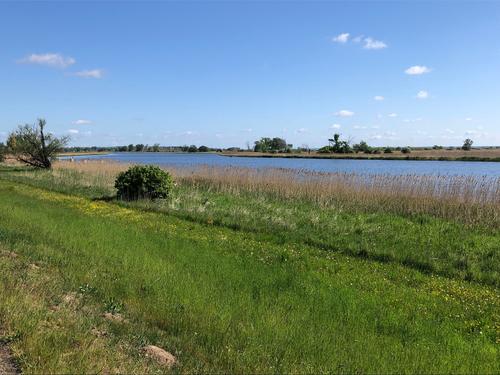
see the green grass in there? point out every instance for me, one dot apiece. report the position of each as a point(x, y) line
point(426, 243)
point(228, 298)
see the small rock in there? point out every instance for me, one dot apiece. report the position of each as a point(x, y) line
point(160, 355)
point(33, 266)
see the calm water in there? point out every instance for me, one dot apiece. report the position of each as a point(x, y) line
point(396, 167)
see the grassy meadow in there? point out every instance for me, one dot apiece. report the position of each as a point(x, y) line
point(248, 271)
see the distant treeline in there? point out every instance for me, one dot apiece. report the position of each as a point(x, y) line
point(147, 148)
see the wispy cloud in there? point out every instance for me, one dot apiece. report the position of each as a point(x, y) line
point(422, 94)
point(378, 98)
point(82, 122)
point(368, 42)
point(412, 119)
point(54, 60)
point(344, 113)
point(449, 131)
point(94, 73)
point(189, 133)
point(468, 119)
point(371, 43)
point(393, 115)
point(341, 38)
point(73, 131)
point(335, 126)
point(417, 70)
point(301, 131)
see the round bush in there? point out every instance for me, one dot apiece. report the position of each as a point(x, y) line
point(146, 181)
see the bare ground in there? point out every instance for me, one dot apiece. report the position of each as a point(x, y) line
point(7, 364)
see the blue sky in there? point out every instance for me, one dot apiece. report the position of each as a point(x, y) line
point(224, 73)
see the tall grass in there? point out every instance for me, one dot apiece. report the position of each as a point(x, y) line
point(221, 301)
point(471, 200)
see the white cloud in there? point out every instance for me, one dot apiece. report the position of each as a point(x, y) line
point(344, 113)
point(393, 115)
point(341, 38)
point(73, 131)
point(468, 119)
point(54, 60)
point(248, 130)
point(417, 70)
point(371, 43)
point(378, 98)
point(335, 126)
point(94, 73)
point(301, 130)
point(376, 136)
point(449, 131)
point(422, 94)
point(82, 122)
point(189, 133)
point(359, 127)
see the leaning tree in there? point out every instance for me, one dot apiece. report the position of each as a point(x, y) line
point(31, 145)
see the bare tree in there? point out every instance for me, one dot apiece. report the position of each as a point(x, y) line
point(31, 145)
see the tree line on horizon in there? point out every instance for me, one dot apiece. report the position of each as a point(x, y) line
point(32, 145)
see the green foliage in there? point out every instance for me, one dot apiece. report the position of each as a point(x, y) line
point(32, 146)
point(267, 145)
point(405, 150)
point(203, 149)
point(3, 151)
point(467, 146)
point(147, 181)
point(139, 147)
point(362, 147)
point(339, 146)
point(192, 148)
point(388, 150)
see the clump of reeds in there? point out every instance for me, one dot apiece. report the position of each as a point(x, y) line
point(468, 199)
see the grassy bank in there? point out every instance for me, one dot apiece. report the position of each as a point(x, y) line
point(234, 281)
point(492, 154)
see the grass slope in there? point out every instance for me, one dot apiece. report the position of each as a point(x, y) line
point(219, 299)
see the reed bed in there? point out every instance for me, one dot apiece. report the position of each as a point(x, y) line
point(468, 199)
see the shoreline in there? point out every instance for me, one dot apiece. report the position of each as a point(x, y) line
point(352, 157)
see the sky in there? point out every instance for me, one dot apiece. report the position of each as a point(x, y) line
point(226, 73)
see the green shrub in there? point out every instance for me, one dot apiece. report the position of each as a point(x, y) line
point(405, 150)
point(388, 150)
point(3, 151)
point(146, 181)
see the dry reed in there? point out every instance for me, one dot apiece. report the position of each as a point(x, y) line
point(468, 199)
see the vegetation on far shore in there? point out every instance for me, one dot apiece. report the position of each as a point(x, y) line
point(230, 280)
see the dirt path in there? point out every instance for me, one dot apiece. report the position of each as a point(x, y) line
point(7, 365)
